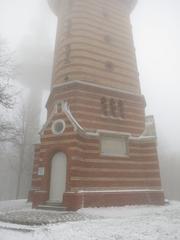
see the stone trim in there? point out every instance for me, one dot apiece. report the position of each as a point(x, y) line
point(93, 85)
point(55, 5)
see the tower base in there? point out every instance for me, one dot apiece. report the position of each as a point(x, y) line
point(74, 201)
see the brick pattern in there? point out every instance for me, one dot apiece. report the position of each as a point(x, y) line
point(87, 168)
point(75, 201)
point(95, 71)
point(85, 104)
point(82, 51)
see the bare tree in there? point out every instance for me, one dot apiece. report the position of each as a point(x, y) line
point(18, 149)
point(24, 145)
point(8, 131)
point(6, 72)
point(16, 131)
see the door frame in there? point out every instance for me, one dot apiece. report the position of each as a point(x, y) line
point(50, 155)
point(58, 177)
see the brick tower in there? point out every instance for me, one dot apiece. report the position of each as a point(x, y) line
point(96, 147)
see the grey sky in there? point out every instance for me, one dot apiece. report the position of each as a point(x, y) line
point(156, 28)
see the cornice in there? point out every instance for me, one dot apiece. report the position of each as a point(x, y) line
point(55, 4)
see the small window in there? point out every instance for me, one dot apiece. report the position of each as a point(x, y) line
point(41, 171)
point(109, 66)
point(121, 108)
point(105, 13)
point(114, 145)
point(104, 106)
point(113, 108)
point(59, 107)
point(66, 78)
point(107, 39)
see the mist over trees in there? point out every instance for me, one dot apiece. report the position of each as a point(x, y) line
point(21, 114)
point(11, 131)
point(5, 76)
point(7, 96)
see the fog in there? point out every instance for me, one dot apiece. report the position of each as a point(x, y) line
point(157, 36)
point(156, 28)
point(29, 28)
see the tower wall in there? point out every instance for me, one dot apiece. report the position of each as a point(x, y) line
point(94, 44)
point(111, 156)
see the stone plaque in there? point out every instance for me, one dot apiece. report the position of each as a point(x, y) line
point(41, 171)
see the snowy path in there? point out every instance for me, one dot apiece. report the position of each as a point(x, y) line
point(14, 205)
point(125, 223)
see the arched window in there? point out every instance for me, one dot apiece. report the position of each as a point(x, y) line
point(104, 106)
point(121, 108)
point(59, 107)
point(113, 107)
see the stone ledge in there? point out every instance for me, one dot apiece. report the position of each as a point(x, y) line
point(75, 201)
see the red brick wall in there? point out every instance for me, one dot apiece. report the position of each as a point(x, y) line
point(75, 201)
point(85, 104)
point(87, 168)
point(83, 51)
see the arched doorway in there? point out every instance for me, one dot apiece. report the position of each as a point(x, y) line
point(58, 177)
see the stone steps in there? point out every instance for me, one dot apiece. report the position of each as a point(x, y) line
point(52, 206)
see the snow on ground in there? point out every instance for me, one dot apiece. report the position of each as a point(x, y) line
point(14, 205)
point(123, 223)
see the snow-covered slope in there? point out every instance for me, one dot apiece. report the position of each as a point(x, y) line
point(14, 205)
point(123, 223)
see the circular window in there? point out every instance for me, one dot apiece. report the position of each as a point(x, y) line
point(58, 127)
